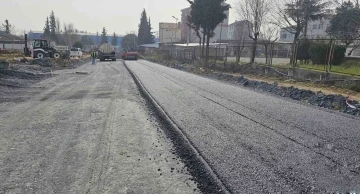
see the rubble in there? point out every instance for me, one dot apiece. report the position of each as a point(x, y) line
point(4, 64)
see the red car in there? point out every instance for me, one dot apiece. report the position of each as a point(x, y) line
point(126, 55)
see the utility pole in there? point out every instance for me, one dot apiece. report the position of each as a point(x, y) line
point(188, 34)
point(176, 26)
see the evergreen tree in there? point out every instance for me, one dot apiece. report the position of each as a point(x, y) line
point(209, 19)
point(7, 27)
point(104, 38)
point(53, 27)
point(144, 35)
point(150, 36)
point(297, 14)
point(114, 40)
point(345, 24)
point(46, 34)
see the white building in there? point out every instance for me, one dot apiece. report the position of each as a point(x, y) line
point(220, 31)
point(239, 30)
point(315, 30)
point(169, 32)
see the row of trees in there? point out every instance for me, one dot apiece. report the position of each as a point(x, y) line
point(68, 34)
point(265, 17)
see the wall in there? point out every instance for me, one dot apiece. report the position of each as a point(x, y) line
point(12, 46)
point(169, 32)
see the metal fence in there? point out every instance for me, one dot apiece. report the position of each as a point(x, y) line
point(318, 54)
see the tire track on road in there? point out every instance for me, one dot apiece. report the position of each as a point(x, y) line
point(272, 129)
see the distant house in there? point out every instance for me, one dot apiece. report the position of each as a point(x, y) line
point(9, 41)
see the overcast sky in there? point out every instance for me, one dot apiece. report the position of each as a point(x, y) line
point(121, 16)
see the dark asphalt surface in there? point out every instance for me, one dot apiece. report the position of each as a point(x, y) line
point(255, 142)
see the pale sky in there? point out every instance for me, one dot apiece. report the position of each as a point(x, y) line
point(121, 16)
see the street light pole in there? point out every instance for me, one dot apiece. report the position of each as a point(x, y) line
point(176, 26)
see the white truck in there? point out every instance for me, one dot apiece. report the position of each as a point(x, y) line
point(106, 51)
point(76, 52)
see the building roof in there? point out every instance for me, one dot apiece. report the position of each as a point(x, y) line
point(9, 37)
point(154, 45)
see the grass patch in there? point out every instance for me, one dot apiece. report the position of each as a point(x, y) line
point(349, 67)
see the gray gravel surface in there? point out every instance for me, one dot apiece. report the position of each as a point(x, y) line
point(256, 142)
point(86, 133)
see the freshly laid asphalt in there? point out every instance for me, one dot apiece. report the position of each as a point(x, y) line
point(256, 142)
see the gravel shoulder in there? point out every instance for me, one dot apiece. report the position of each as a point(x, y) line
point(86, 133)
point(256, 142)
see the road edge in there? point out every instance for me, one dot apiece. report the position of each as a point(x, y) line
point(185, 140)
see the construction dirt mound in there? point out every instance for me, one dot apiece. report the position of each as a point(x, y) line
point(333, 102)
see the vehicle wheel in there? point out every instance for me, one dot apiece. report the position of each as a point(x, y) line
point(40, 55)
point(57, 55)
point(114, 59)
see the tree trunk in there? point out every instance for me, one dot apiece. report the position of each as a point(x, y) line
point(266, 54)
point(293, 48)
point(207, 50)
point(237, 55)
point(253, 53)
point(200, 46)
point(203, 44)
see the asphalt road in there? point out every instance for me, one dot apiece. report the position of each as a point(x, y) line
point(255, 142)
point(86, 133)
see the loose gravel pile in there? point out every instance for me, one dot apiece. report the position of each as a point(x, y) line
point(333, 102)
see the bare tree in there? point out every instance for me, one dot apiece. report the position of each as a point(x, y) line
point(294, 15)
point(58, 26)
point(242, 29)
point(69, 35)
point(256, 12)
point(268, 36)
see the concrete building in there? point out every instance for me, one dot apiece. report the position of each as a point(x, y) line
point(221, 30)
point(239, 30)
point(315, 29)
point(169, 32)
point(286, 35)
point(11, 42)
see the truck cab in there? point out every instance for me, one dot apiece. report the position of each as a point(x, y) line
point(41, 49)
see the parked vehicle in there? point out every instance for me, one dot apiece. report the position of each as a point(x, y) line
point(39, 48)
point(129, 54)
point(76, 52)
point(106, 51)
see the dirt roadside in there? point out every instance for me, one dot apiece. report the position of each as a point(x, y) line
point(21, 75)
point(87, 133)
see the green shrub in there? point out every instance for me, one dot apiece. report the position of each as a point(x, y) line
point(303, 50)
point(339, 55)
point(318, 53)
point(319, 50)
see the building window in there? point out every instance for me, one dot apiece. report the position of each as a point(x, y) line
point(314, 27)
point(321, 26)
point(283, 36)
